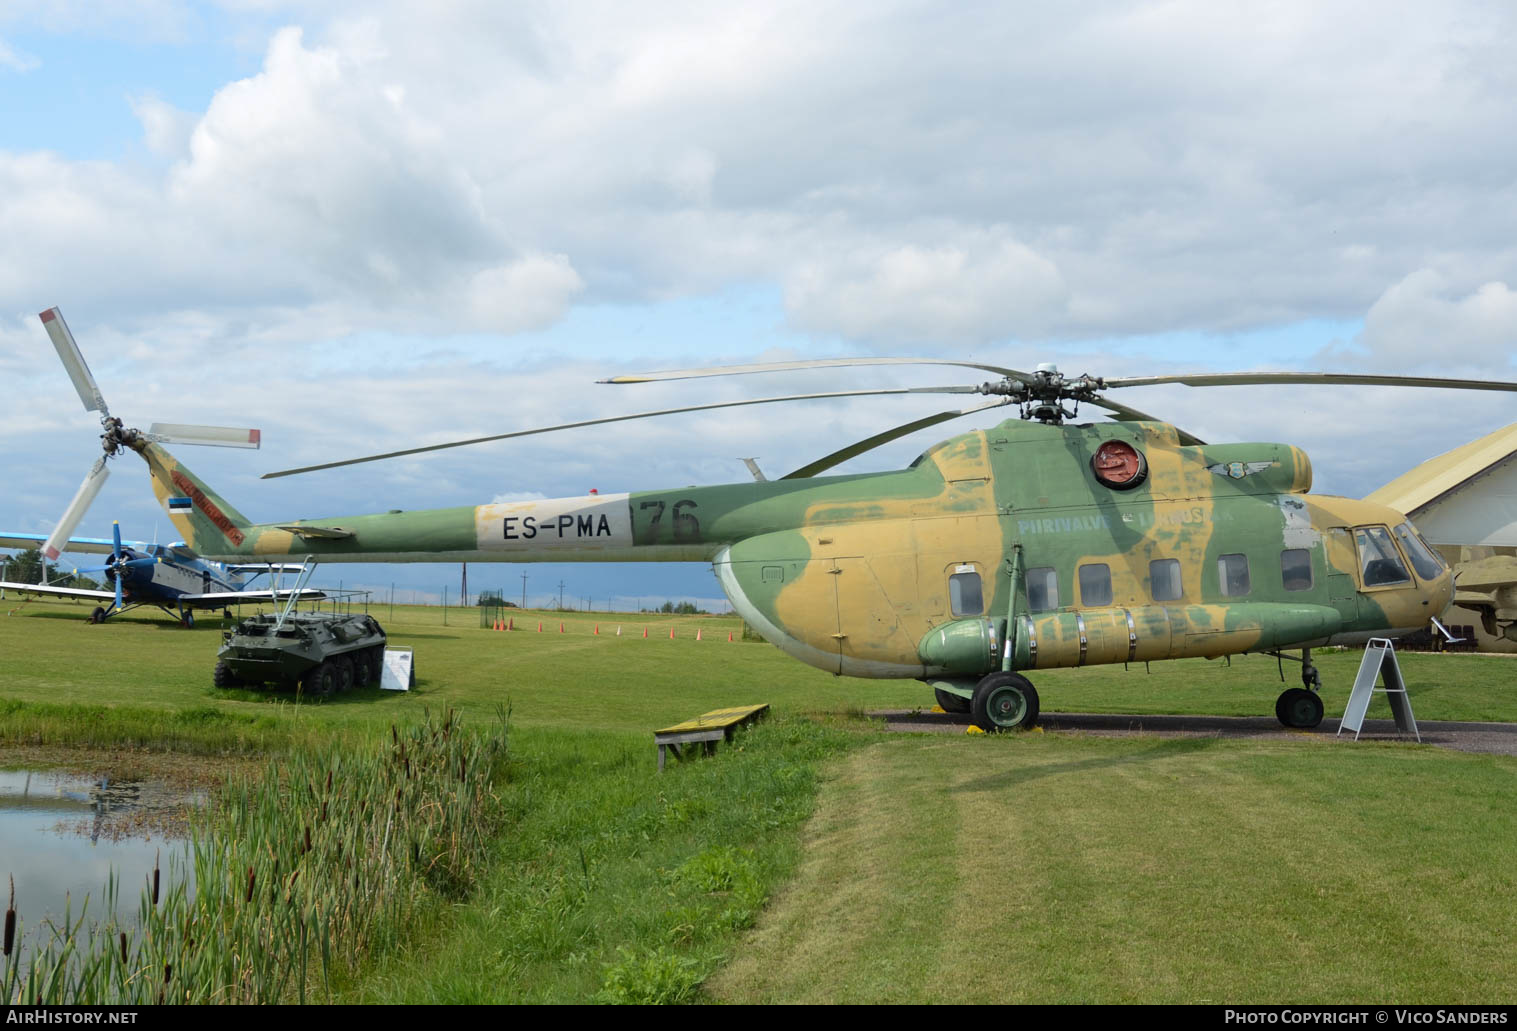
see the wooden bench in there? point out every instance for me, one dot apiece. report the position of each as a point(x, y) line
point(706, 729)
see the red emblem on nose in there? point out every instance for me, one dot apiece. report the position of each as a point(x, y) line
point(1119, 465)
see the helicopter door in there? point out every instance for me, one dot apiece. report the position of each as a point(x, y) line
point(1341, 562)
point(868, 629)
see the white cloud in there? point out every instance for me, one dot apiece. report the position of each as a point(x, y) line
point(15, 60)
point(1425, 320)
point(968, 291)
point(527, 294)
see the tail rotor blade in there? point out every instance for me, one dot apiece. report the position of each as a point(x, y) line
point(73, 361)
point(216, 436)
point(76, 509)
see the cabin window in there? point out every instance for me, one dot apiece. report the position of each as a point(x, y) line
point(1164, 579)
point(1095, 584)
point(1042, 589)
point(1296, 569)
point(1424, 559)
point(965, 597)
point(1379, 563)
point(1232, 575)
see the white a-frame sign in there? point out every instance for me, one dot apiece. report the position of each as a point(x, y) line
point(1379, 661)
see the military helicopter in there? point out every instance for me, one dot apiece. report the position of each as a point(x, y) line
point(1034, 544)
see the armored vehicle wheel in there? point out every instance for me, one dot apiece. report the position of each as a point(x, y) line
point(224, 677)
point(344, 669)
point(361, 669)
point(1004, 701)
point(98, 616)
point(949, 702)
point(1299, 708)
point(319, 681)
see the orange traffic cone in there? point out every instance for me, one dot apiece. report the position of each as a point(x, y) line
point(597, 629)
point(697, 633)
point(539, 626)
point(560, 628)
point(511, 623)
point(671, 633)
point(645, 633)
point(729, 636)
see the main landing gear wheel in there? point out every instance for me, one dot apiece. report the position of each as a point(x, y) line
point(1004, 701)
point(950, 702)
point(188, 619)
point(98, 616)
point(1299, 708)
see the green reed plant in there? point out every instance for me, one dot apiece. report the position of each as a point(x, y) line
point(297, 874)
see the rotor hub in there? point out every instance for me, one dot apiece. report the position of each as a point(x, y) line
point(1043, 394)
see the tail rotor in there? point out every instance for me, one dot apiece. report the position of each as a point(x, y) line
point(117, 436)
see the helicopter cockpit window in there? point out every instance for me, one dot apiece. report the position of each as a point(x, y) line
point(1164, 579)
point(1232, 575)
point(1095, 584)
point(1296, 569)
point(1042, 589)
point(1379, 563)
point(1424, 559)
point(965, 596)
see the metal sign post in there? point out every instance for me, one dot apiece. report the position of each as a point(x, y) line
point(1379, 661)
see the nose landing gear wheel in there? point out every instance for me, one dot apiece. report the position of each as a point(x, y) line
point(1299, 708)
point(1004, 701)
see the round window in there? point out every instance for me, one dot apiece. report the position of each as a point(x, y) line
point(1119, 465)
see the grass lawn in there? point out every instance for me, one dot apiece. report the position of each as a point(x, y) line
point(821, 859)
point(1048, 868)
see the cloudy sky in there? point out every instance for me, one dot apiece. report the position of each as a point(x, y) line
point(364, 226)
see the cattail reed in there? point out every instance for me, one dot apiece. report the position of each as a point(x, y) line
point(10, 920)
point(403, 831)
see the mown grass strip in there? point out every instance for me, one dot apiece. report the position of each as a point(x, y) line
point(1051, 868)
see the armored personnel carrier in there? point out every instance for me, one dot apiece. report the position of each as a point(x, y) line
point(321, 652)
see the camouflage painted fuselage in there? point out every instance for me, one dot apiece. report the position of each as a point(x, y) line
point(856, 574)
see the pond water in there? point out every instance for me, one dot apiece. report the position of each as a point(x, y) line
point(62, 834)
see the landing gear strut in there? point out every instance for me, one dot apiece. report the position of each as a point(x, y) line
point(1301, 707)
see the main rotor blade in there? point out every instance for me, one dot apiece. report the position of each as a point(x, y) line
point(73, 361)
point(76, 509)
point(1227, 379)
point(815, 363)
point(1122, 413)
point(870, 443)
point(216, 436)
point(619, 418)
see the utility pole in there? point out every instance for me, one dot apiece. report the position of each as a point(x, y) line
point(463, 589)
point(524, 590)
point(560, 596)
